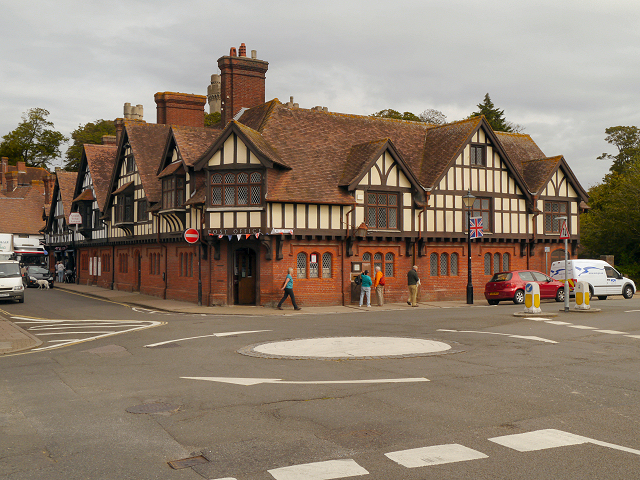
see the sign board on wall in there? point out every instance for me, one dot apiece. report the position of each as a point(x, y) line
point(75, 218)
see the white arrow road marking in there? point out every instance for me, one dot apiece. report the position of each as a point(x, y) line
point(435, 455)
point(223, 334)
point(258, 381)
point(551, 438)
point(524, 337)
point(319, 470)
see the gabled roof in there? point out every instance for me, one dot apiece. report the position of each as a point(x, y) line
point(147, 142)
point(99, 160)
point(65, 184)
point(22, 215)
point(192, 142)
point(519, 147)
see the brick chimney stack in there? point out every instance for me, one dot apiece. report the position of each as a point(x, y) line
point(12, 180)
point(180, 109)
point(242, 82)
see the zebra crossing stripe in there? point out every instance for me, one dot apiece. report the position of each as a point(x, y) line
point(319, 470)
point(435, 455)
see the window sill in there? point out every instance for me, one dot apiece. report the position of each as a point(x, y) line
point(235, 209)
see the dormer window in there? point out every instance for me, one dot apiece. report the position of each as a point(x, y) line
point(236, 189)
point(172, 192)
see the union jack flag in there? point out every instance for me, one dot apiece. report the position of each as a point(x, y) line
point(475, 226)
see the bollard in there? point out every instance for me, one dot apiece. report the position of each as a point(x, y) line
point(532, 298)
point(582, 296)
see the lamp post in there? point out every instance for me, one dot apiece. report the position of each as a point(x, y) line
point(468, 200)
point(560, 221)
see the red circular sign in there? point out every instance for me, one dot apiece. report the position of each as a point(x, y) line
point(191, 235)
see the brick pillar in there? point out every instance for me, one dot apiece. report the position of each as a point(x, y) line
point(180, 109)
point(242, 83)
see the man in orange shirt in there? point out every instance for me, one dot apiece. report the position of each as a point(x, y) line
point(379, 287)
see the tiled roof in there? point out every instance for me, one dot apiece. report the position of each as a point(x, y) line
point(86, 195)
point(148, 142)
point(66, 184)
point(171, 169)
point(519, 147)
point(359, 158)
point(22, 214)
point(536, 172)
point(193, 141)
point(100, 160)
point(260, 144)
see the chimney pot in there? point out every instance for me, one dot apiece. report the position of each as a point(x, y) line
point(232, 52)
point(243, 50)
point(254, 54)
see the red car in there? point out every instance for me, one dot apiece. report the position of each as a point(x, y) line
point(510, 286)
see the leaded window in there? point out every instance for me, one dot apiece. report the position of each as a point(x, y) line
point(326, 265)
point(444, 264)
point(236, 189)
point(366, 257)
point(313, 266)
point(388, 265)
point(454, 264)
point(301, 263)
point(505, 262)
point(172, 192)
point(553, 210)
point(477, 155)
point(377, 261)
point(496, 263)
point(382, 210)
point(124, 208)
point(487, 264)
point(481, 208)
point(433, 264)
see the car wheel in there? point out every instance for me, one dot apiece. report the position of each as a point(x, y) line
point(493, 302)
point(21, 300)
point(627, 291)
point(560, 295)
point(518, 298)
point(602, 297)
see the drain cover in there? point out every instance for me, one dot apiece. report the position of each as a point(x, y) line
point(153, 408)
point(187, 462)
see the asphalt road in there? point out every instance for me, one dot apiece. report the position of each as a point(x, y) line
point(512, 398)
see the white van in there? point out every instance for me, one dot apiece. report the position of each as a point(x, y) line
point(11, 286)
point(602, 278)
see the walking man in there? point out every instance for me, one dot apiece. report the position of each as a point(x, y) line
point(413, 281)
point(287, 286)
point(378, 285)
point(365, 288)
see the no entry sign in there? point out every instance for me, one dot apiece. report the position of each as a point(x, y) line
point(191, 235)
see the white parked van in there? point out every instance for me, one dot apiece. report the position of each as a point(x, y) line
point(11, 286)
point(602, 278)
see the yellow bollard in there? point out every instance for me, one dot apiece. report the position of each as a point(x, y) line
point(532, 298)
point(582, 296)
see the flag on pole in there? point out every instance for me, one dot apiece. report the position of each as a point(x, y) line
point(475, 226)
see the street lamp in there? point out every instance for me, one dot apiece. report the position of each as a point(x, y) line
point(468, 200)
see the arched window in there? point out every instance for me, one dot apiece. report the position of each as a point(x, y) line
point(366, 257)
point(302, 265)
point(444, 264)
point(433, 264)
point(487, 264)
point(377, 261)
point(496, 263)
point(505, 262)
point(326, 265)
point(388, 265)
point(314, 271)
point(454, 264)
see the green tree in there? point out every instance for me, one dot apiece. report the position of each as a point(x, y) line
point(627, 141)
point(495, 117)
point(212, 118)
point(34, 141)
point(92, 133)
point(428, 116)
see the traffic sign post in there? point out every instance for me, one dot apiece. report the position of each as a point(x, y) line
point(564, 234)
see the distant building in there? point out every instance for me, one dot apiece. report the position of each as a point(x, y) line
point(329, 194)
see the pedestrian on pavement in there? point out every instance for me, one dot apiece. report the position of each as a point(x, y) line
point(365, 287)
point(287, 286)
point(378, 286)
point(414, 282)
point(60, 271)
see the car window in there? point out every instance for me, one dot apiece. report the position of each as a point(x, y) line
point(501, 277)
point(611, 273)
point(526, 276)
point(9, 270)
point(38, 270)
point(540, 277)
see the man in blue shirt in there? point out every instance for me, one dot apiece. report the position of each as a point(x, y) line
point(287, 286)
point(365, 287)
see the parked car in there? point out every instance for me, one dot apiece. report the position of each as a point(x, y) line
point(510, 286)
point(11, 286)
point(602, 278)
point(35, 273)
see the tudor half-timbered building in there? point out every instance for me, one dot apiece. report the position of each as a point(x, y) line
point(274, 186)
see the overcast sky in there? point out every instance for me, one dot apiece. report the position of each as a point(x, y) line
point(564, 70)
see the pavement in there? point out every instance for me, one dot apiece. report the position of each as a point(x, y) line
point(14, 339)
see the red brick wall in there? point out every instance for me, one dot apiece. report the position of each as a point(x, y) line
point(180, 109)
point(242, 84)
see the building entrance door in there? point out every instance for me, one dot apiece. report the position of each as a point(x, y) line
point(244, 279)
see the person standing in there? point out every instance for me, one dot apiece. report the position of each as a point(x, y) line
point(365, 287)
point(60, 271)
point(378, 286)
point(413, 282)
point(287, 286)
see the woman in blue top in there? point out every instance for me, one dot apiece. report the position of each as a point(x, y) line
point(365, 287)
point(287, 286)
